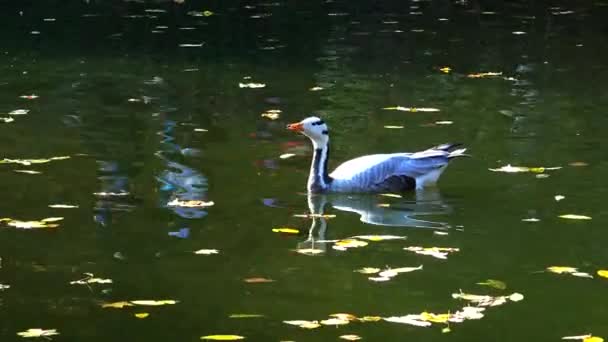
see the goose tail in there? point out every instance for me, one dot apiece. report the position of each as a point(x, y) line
point(458, 153)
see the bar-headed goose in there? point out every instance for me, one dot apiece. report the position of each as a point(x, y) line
point(394, 172)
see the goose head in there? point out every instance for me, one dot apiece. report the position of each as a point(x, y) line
point(314, 128)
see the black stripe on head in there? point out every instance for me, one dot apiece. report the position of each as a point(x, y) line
point(316, 123)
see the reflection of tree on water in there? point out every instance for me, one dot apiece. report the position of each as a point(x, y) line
point(178, 180)
point(371, 209)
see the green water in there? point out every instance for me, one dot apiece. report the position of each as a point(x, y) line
point(145, 121)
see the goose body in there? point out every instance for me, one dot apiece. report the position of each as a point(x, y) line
point(393, 172)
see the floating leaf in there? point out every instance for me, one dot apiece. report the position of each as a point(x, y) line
point(370, 318)
point(575, 217)
point(391, 195)
point(141, 314)
point(484, 74)
point(315, 88)
point(485, 300)
point(222, 337)
point(391, 272)
point(252, 85)
point(154, 302)
point(90, 279)
point(28, 172)
point(497, 284)
point(445, 69)
point(409, 319)
point(62, 206)
point(272, 114)
point(245, 316)
point(285, 230)
point(38, 332)
point(6, 119)
point(379, 279)
point(28, 162)
point(376, 238)
point(257, 280)
point(522, 169)
point(342, 245)
point(189, 203)
point(559, 197)
point(562, 269)
point(603, 273)
point(207, 251)
point(412, 109)
point(304, 324)
point(29, 97)
point(116, 305)
point(437, 252)
point(393, 127)
point(309, 251)
point(287, 155)
point(368, 270)
point(350, 337)
point(19, 112)
point(335, 321)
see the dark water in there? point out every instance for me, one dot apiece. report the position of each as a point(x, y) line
point(120, 96)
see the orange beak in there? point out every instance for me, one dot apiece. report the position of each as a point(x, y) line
point(296, 127)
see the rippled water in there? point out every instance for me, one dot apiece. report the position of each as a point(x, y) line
point(145, 100)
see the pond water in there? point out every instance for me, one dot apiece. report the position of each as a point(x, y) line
point(145, 100)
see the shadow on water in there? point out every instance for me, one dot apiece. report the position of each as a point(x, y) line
point(374, 210)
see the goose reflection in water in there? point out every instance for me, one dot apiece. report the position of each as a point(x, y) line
point(371, 208)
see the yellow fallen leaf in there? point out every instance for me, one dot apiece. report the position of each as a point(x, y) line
point(562, 269)
point(379, 237)
point(142, 315)
point(252, 85)
point(575, 217)
point(28, 172)
point(435, 318)
point(304, 324)
point(62, 206)
point(445, 70)
point(484, 74)
point(36, 332)
point(52, 219)
point(593, 339)
point(370, 318)
point(245, 316)
point(222, 337)
point(350, 337)
point(603, 273)
point(257, 280)
point(190, 203)
point(497, 284)
point(154, 302)
point(207, 251)
point(368, 270)
point(334, 321)
point(393, 127)
point(116, 305)
point(346, 316)
point(309, 251)
point(285, 230)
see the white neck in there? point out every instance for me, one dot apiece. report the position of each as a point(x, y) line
point(318, 180)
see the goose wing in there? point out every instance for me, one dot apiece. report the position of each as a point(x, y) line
point(367, 171)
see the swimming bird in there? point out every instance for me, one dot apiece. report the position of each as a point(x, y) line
point(393, 172)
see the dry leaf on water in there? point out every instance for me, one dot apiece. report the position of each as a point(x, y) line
point(258, 280)
point(116, 305)
point(437, 252)
point(568, 270)
point(575, 217)
point(141, 315)
point(412, 109)
point(285, 230)
point(222, 337)
point(522, 169)
point(350, 337)
point(154, 302)
point(36, 332)
point(497, 284)
point(207, 251)
point(190, 203)
point(603, 273)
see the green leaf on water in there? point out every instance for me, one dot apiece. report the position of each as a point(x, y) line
point(497, 284)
